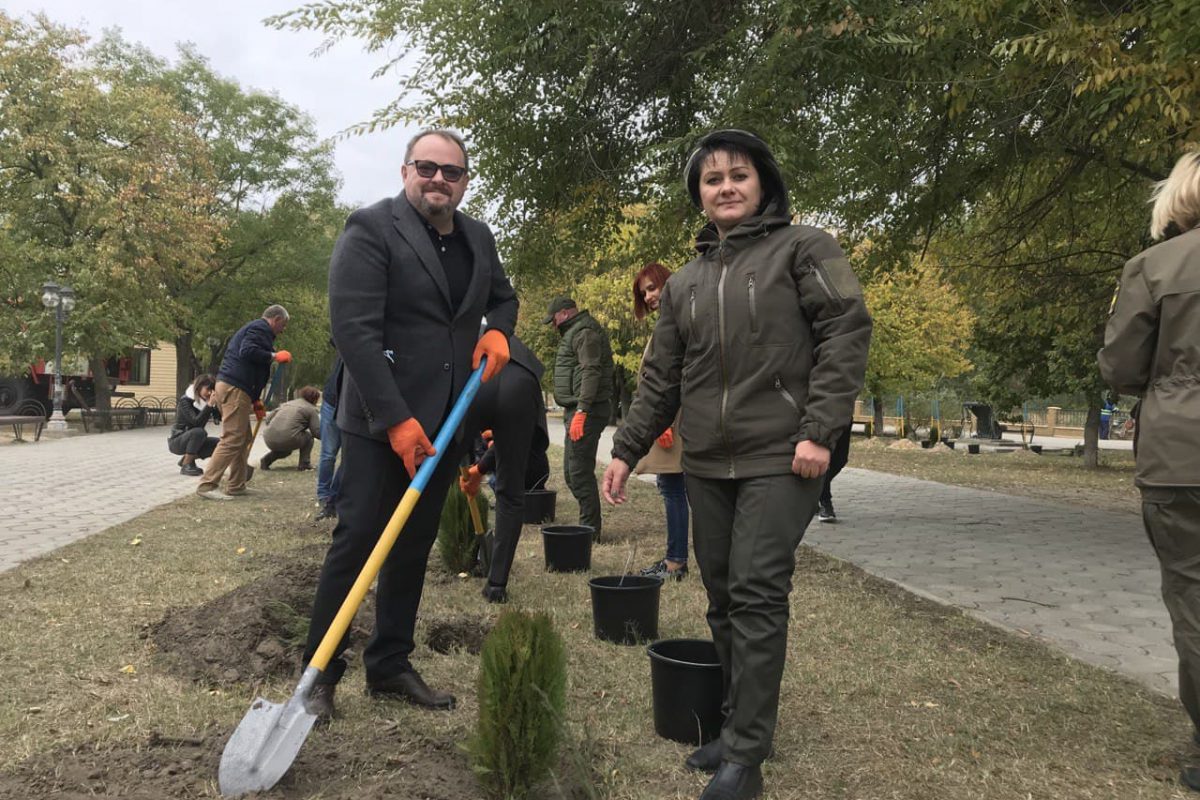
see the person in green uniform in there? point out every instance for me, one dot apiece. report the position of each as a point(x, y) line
point(761, 347)
point(1152, 349)
point(583, 386)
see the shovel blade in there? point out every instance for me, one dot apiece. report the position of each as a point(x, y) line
point(263, 746)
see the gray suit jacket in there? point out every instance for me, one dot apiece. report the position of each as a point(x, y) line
point(407, 353)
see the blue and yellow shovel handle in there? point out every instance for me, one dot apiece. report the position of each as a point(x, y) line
point(341, 623)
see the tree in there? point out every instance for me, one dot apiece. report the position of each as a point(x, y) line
point(972, 125)
point(921, 331)
point(275, 199)
point(104, 186)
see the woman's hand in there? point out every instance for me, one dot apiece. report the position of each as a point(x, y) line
point(614, 481)
point(811, 460)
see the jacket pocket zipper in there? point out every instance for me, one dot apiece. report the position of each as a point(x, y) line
point(692, 305)
point(787, 396)
point(753, 305)
point(826, 284)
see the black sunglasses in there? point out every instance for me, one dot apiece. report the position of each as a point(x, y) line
point(427, 169)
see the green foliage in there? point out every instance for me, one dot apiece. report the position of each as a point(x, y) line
point(921, 330)
point(522, 694)
point(103, 186)
point(456, 540)
point(1013, 140)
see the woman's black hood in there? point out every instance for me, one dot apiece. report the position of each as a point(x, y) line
point(739, 141)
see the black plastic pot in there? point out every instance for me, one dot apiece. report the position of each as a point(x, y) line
point(973, 449)
point(568, 548)
point(539, 506)
point(625, 607)
point(1037, 448)
point(687, 685)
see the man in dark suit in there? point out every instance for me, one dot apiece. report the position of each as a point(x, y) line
point(409, 282)
point(513, 408)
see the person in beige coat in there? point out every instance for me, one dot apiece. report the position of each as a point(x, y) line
point(1152, 349)
point(665, 458)
point(293, 426)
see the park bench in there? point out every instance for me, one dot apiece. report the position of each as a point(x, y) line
point(19, 422)
point(114, 420)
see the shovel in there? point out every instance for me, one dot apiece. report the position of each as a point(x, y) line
point(272, 388)
point(268, 738)
point(485, 538)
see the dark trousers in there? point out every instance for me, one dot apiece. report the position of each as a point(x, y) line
point(745, 532)
point(838, 457)
point(511, 405)
point(375, 480)
point(579, 462)
point(1172, 519)
point(194, 442)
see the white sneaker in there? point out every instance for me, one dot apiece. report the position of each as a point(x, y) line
point(214, 494)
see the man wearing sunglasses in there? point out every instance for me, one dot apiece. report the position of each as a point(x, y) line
point(410, 281)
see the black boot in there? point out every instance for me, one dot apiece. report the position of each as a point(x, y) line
point(320, 702)
point(707, 758)
point(734, 782)
point(266, 461)
point(495, 594)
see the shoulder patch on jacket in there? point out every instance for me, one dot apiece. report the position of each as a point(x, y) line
point(841, 274)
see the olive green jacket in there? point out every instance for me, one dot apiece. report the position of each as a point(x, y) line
point(285, 424)
point(761, 341)
point(1152, 349)
point(583, 367)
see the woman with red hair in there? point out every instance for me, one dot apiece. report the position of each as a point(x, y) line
point(666, 456)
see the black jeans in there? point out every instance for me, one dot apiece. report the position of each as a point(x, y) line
point(194, 441)
point(374, 481)
point(510, 405)
point(838, 457)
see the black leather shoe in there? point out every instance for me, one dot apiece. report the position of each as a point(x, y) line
point(327, 511)
point(191, 470)
point(320, 702)
point(707, 758)
point(495, 594)
point(734, 782)
point(266, 461)
point(409, 687)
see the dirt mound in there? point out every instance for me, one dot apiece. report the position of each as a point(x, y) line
point(904, 444)
point(458, 633)
point(253, 633)
point(165, 768)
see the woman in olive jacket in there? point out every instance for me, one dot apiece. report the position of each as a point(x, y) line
point(1152, 349)
point(188, 437)
point(761, 346)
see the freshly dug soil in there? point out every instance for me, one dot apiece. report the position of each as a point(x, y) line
point(163, 768)
point(251, 634)
point(456, 633)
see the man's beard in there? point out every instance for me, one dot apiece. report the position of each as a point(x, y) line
point(435, 209)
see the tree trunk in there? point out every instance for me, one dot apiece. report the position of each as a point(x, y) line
point(183, 362)
point(214, 358)
point(103, 392)
point(877, 402)
point(1091, 434)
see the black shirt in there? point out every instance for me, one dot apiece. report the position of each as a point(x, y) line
point(455, 254)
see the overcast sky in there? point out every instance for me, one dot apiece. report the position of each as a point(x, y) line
point(335, 89)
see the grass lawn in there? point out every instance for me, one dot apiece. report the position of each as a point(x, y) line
point(1049, 477)
point(885, 695)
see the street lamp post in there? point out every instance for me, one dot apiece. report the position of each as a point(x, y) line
point(62, 300)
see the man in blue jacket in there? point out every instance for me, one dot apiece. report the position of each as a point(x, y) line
point(243, 374)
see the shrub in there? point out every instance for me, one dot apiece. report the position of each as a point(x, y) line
point(456, 538)
point(522, 691)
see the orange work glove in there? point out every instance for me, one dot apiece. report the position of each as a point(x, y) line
point(260, 410)
point(469, 483)
point(666, 440)
point(494, 345)
point(283, 356)
point(576, 432)
point(409, 441)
